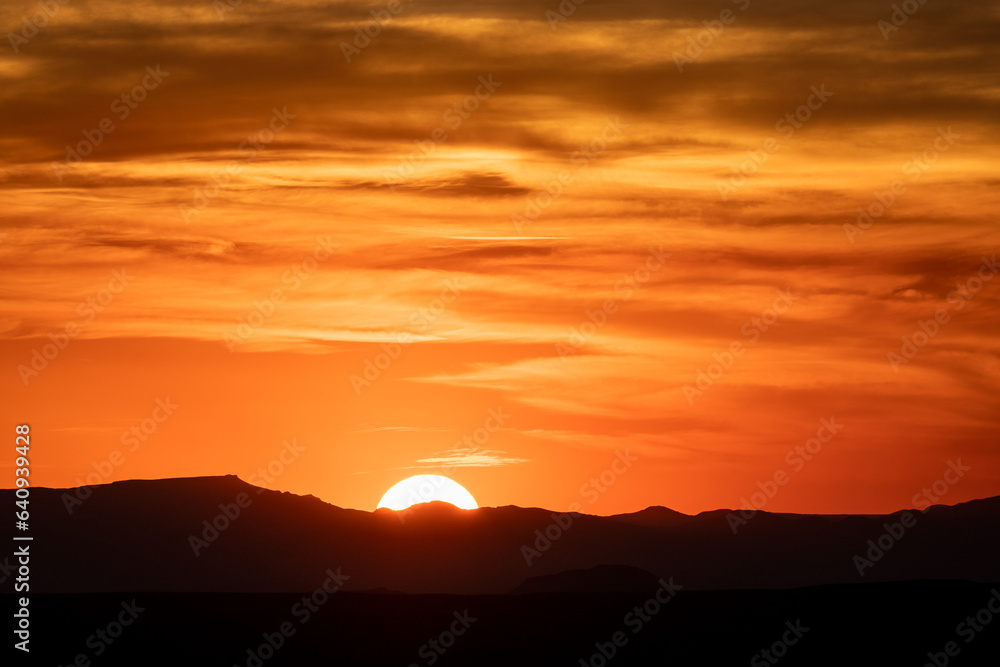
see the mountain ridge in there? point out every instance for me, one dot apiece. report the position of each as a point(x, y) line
point(993, 501)
point(223, 534)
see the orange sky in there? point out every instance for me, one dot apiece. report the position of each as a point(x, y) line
point(257, 220)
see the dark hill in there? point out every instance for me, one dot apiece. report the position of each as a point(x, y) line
point(220, 534)
point(599, 579)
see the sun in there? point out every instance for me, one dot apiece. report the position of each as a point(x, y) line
point(424, 489)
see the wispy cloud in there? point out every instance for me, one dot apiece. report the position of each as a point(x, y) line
point(469, 458)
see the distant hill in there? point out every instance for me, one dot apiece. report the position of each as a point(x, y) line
point(143, 536)
point(656, 516)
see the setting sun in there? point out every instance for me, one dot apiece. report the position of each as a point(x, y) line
point(424, 489)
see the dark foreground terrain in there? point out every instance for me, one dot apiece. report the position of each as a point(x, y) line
point(231, 575)
point(864, 624)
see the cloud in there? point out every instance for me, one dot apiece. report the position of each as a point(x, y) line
point(469, 458)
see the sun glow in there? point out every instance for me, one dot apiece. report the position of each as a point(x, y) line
point(424, 489)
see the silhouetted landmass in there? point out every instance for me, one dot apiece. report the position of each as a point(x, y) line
point(882, 625)
point(656, 516)
point(144, 536)
point(281, 579)
point(600, 579)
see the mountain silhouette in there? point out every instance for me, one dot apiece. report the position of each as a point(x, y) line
point(655, 516)
point(221, 534)
point(599, 579)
